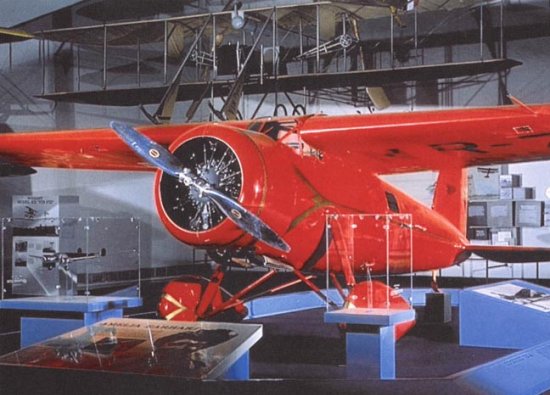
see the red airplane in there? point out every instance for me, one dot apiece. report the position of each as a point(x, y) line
point(259, 191)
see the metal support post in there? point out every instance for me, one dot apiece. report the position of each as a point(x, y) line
point(43, 58)
point(275, 65)
point(318, 39)
point(344, 21)
point(214, 67)
point(502, 29)
point(391, 41)
point(481, 31)
point(104, 56)
point(78, 67)
point(165, 59)
point(139, 258)
point(138, 61)
point(387, 232)
point(301, 34)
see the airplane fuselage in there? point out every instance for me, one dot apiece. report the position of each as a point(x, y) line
point(294, 189)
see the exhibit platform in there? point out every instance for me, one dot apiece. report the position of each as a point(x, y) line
point(43, 317)
point(187, 350)
point(298, 352)
point(508, 314)
point(370, 351)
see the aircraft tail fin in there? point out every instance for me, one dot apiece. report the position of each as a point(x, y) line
point(511, 254)
point(451, 196)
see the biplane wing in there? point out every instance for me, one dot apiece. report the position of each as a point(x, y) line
point(285, 83)
point(174, 29)
point(177, 28)
point(432, 5)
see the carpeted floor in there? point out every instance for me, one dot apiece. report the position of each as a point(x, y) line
point(298, 353)
point(301, 345)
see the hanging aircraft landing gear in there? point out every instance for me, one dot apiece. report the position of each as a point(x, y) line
point(196, 298)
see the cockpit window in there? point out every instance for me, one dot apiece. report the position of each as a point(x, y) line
point(392, 202)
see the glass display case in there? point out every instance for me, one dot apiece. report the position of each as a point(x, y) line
point(189, 350)
point(69, 256)
point(375, 252)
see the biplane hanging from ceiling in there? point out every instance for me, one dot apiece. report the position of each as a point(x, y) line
point(225, 65)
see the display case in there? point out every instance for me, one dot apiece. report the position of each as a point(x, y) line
point(69, 256)
point(187, 350)
point(374, 252)
point(378, 250)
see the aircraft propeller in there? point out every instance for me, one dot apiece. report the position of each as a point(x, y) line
point(161, 158)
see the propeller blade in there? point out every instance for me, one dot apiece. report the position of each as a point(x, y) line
point(152, 152)
point(163, 159)
point(247, 221)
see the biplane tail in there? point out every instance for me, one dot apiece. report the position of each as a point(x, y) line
point(511, 254)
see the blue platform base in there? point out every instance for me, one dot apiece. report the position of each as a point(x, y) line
point(520, 373)
point(35, 330)
point(240, 370)
point(501, 316)
point(297, 301)
point(90, 309)
point(370, 354)
point(288, 303)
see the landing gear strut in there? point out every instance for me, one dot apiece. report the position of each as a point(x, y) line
point(195, 298)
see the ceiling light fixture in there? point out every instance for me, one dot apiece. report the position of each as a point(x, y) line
point(237, 18)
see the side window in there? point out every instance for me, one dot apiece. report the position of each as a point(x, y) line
point(392, 202)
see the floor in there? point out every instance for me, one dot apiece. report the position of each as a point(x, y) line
point(300, 345)
point(297, 351)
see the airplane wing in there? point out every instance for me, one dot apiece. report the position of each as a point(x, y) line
point(151, 30)
point(92, 149)
point(406, 142)
point(99, 149)
point(286, 83)
point(387, 143)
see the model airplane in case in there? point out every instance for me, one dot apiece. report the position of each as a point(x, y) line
point(259, 190)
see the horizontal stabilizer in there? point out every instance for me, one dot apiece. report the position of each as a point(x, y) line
point(511, 254)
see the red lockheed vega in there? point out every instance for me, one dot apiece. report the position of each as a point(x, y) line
point(261, 189)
